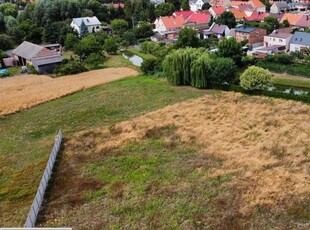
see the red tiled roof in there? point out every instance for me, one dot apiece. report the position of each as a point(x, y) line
point(257, 3)
point(218, 10)
point(291, 18)
point(201, 18)
point(304, 21)
point(185, 14)
point(239, 14)
point(257, 17)
point(45, 53)
point(172, 22)
point(238, 3)
point(117, 5)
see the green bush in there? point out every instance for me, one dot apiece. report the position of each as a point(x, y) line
point(149, 65)
point(94, 60)
point(69, 68)
point(255, 78)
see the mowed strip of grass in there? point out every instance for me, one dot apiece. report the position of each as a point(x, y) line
point(159, 182)
point(26, 138)
point(289, 80)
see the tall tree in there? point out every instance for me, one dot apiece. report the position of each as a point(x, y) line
point(230, 48)
point(164, 9)
point(187, 38)
point(83, 29)
point(185, 5)
point(227, 18)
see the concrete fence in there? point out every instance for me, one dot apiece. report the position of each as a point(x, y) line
point(37, 202)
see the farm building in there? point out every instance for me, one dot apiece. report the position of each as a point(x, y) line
point(42, 59)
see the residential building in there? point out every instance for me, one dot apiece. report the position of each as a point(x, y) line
point(247, 9)
point(186, 14)
point(225, 3)
point(216, 11)
point(169, 23)
point(239, 14)
point(92, 24)
point(199, 18)
point(257, 16)
point(258, 5)
point(42, 59)
point(293, 19)
point(220, 31)
point(254, 35)
point(196, 5)
point(300, 42)
point(279, 7)
point(280, 39)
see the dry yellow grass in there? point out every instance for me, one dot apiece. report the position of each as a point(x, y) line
point(23, 92)
point(263, 142)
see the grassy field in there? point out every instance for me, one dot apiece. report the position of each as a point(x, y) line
point(221, 161)
point(289, 80)
point(26, 138)
point(139, 53)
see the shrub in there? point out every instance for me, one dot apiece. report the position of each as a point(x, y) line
point(222, 70)
point(94, 60)
point(255, 78)
point(149, 65)
point(110, 46)
point(69, 68)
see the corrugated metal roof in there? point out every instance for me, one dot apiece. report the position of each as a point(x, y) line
point(301, 38)
point(27, 50)
point(89, 21)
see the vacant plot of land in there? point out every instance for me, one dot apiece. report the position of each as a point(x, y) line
point(26, 138)
point(223, 161)
point(24, 92)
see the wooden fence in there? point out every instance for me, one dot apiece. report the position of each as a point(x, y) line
point(37, 202)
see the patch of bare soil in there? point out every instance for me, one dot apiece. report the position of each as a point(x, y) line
point(23, 92)
point(263, 142)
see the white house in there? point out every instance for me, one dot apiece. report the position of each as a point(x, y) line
point(92, 24)
point(216, 11)
point(168, 23)
point(300, 41)
point(220, 31)
point(196, 5)
point(258, 5)
point(278, 39)
point(156, 2)
point(279, 7)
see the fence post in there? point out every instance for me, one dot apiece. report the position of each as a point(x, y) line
point(36, 205)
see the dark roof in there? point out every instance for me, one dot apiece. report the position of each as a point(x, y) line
point(301, 38)
point(245, 29)
point(281, 4)
point(277, 34)
point(218, 29)
point(27, 50)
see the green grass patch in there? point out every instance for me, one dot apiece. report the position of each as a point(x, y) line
point(115, 61)
point(289, 80)
point(26, 138)
point(139, 53)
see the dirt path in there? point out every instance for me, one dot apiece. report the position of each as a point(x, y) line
point(23, 92)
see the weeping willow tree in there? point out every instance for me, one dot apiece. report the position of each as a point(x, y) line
point(200, 70)
point(177, 65)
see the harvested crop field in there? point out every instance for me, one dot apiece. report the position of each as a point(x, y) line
point(23, 92)
point(222, 161)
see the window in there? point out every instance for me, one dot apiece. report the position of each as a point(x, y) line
point(257, 34)
point(280, 40)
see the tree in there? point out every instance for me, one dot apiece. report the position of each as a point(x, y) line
point(185, 5)
point(270, 23)
point(84, 29)
point(255, 78)
point(285, 24)
point(129, 38)
point(119, 26)
point(110, 46)
point(230, 48)
point(227, 18)
point(9, 22)
point(206, 6)
point(86, 46)
point(164, 9)
point(187, 38)
point(2, 23)
point(70, 41)
point(5, 42)
point(94, 60)
point(9, 9)
point(222, 70)
point(143, 30)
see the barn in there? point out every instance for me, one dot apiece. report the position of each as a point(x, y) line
point(41, 58)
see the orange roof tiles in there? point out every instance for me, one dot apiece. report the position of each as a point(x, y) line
point(239, 14)
point(291, 18)
point(186, 14)
point(257, 3)
point(218, 10)
point(238, 3)
point(173, 22)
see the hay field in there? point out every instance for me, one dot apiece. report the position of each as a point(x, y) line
point(23, 92)
point(227, 161)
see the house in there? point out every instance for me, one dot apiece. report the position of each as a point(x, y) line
point(42, 59)
point(216, 11)
point(92, 24)
point(257, 16)
point(300, 41)
point(247, 9)
point(270, 50)
point(196, 5)
point(186, 14)
point(239, 14)
point(277, 38)
point(303, 22)
point(169, 23)
point(258, 5)
point(199, 18)
point(278, 16)
point(156, 2)
point(220, 31)
point(279, 7)
point(254, 35)
point(293, 19)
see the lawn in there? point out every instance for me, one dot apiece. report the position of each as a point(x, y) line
point(26, 138)
point(139, 53)
point(290, 80)
point(116, 61)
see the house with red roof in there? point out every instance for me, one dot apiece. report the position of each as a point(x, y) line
point(169, 25)
point(225, 3)
point(239, 14)
point(186, 14)
point(293, 19)
point(258, 5)
point(216, 11)
point(199, 18)
point(257, 17)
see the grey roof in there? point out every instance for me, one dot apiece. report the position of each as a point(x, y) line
point(217, 28)
point(281, 4)
point(47, 60)
point(277, 15)
point(301, 38)
point(277, 34)
point(245, 29)
point(27, 50)
point(89, 21)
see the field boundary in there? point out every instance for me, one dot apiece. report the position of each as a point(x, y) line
point(38, 199)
